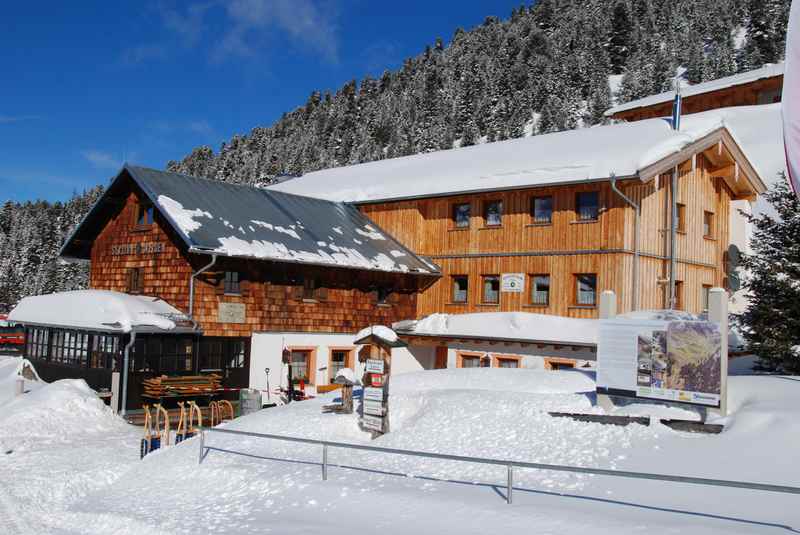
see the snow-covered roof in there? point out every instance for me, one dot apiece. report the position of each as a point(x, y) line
point(379, 331)
point(243, 221)
point(767, 71)
point(100, 310)
point(560, 158)
point(506, 326)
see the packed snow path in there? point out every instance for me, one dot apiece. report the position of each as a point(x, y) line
point(99, 486)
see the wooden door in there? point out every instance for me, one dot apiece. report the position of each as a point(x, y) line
point(441, 358)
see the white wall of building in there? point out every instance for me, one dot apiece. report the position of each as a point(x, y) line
point(531, 356)
point(741, 232)
point(266, 351)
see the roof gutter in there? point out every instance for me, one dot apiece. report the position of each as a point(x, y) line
point(637, 218)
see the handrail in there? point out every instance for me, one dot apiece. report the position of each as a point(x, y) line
point(500, 462)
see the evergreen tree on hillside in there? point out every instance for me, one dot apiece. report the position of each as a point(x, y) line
point(619, 45)
point(771, 323)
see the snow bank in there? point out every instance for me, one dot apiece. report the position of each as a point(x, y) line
point(97, 309)
point(11, 369)
point(505, 325)
point(276, 486)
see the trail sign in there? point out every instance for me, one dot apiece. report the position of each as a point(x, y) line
point(374, 408)
point(374, 423)
point(373, 394)
point(374, 366)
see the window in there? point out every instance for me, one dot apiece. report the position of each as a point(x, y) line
point(300, 360)
point(144, 214)
point(135, 281)
point(105, 352)
point(231, 284)
point(678, 295)
point(491, 289)
point(37, 343)
point(382, 295)
point(469, 360)
point(542, 210)
point(163, 353)
point(461, 214)
point(507, 362)
point(493, 213)
point(338, 360)
point(586, 289)
point(540, 290)
point(460, 288)
point(309, 286)
point(219, 353)
point(680, 223)
point(587, 205)
point(708, 224)
point(705, 296)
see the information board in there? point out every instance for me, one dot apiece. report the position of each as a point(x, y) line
point(231, 313)
point(512, 282)
point(677, 360)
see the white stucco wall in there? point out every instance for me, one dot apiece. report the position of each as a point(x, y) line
point(533, 357)
point(740, 234)
point(266, 351)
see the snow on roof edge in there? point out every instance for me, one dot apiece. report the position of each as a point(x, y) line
point(767, 71)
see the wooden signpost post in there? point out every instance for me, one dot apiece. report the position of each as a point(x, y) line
point(377, 359)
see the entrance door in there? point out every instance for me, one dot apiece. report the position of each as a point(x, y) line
point(441, 358)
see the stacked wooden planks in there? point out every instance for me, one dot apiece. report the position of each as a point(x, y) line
point(187, 385)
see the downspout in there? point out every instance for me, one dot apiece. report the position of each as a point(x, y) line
point(191, 287)
point(637, 219)
point(125, 369)
point(673, 232)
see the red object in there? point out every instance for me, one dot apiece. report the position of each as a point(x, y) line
point(376, 379)
point(302, 386)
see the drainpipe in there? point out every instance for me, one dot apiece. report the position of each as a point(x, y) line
point(191, 286)
point(125, 369)
point(673, 232)
point(638, 212)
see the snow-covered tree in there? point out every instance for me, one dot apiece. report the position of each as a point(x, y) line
point(771, 322)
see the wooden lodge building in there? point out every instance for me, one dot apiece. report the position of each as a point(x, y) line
point(756, 87)
point(536, 225)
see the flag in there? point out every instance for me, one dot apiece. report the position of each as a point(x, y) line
point(791, 98)
point(677, 104)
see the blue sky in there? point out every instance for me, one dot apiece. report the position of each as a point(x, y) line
point(87, 85)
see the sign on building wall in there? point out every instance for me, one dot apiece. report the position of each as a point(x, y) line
point(512, 282)
point(124, 249)
point(676, 360)
point(231, 313)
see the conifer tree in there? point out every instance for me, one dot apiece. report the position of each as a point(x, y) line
point(771, 322)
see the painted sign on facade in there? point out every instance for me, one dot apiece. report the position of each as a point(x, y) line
point(676, 360)
point(512, 282)
point(231, 313)
point(123, 249)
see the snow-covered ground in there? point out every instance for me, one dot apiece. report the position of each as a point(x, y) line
point(74, 467)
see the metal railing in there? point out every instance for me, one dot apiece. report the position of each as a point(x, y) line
point(500, 462)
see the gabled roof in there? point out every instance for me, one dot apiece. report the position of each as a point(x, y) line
point(767, 71)
point(628, 150)
point(244, 221)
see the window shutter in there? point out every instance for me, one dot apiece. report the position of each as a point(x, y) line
point(393, 298)
point(321, 293)
point(131, 289)
point(220, 288)
point(244, 288)
point(297, 293)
